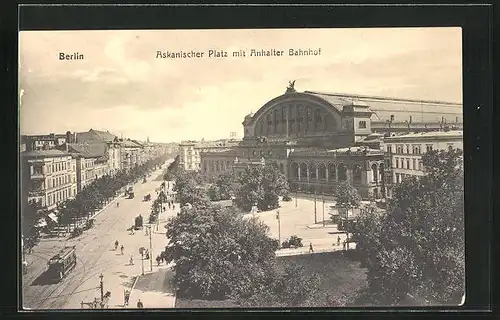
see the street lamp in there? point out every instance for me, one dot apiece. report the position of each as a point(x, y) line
point(279, 226)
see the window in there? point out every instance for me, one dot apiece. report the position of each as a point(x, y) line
point(397, 162)
point(415, 164)
point(407, 163)
point(388, 148)
point(407, 148)
point(428, 147)
point(253, 153)
point(362, 124)
point(398, 178)
point(399, 149)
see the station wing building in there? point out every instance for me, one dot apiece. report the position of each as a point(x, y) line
point(318, 138)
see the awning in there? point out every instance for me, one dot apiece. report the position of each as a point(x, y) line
point(53, 217)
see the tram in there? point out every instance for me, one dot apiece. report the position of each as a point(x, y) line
point(62, 263)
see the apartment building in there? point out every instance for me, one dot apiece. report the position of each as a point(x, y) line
point(404, 153)
point(47, 177)
point(190, 151)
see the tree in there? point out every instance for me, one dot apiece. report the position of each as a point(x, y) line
point(296, 287)
point(417, 248)
point(346, 195)
point(262, 185)
point(31, 211)
point(217, 253)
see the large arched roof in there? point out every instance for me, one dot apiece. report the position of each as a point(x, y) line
point(420, 111)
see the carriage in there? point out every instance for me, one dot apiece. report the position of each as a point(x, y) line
point(147, 197)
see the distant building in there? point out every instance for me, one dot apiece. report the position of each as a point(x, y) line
point(91, 162)
point(111, 142)
point(190, 151)
point(47, 177)
point(404, 153)
point(318, 139)
point(42, 142)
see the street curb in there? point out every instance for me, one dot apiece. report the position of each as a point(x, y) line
point(313, 227)
point(133, 285)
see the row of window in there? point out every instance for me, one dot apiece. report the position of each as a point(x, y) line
point(254, 153)
point(405, 163)
point(59, 196)
point(401, 176)
point(61, 180)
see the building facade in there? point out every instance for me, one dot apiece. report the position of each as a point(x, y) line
point(319, 139)
point(404, 153)
point(48, 176)
point(190, 151)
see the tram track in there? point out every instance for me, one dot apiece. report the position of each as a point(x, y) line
point(52, 297)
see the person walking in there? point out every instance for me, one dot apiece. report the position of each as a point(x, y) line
point(127, 297)
point(131, 260)
point(338, 240)
point(139, 304)
point(118, 204)
point(311, 250)
point(116, 245)
point(343, 248)
point(121, 249)
point(169, 206)
point(158, 260)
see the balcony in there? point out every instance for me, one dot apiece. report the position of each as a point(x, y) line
point(36, 193)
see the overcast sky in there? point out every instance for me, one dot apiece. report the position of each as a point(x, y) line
point(122, 87)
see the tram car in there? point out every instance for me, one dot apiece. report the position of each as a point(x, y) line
point(62, 263)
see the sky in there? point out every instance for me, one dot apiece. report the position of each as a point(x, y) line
point(121, 86)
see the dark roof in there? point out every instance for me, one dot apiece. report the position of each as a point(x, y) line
point(88, 150)
point(44, 153)
point(130, 144)
point(341, 151)
point(383, 107)
point(94, 135)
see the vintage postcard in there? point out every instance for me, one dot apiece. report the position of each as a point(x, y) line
point(241, 168)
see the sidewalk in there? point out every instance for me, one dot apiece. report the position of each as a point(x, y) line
point(317, 249)
point(155, 289)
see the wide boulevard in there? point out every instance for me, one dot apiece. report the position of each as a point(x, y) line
point(96, 256)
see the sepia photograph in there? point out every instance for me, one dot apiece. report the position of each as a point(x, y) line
point(241, 168)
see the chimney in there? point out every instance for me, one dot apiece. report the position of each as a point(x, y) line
point(68, 137)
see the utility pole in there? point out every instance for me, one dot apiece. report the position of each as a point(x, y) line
point(101, 285)
point(142, 259)
point(315, 218)
point(150, 249)
point(279, 226)
point(296, 196)
point(323, 211)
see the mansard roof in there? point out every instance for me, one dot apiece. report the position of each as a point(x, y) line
point(88, 150)
point(95, 135)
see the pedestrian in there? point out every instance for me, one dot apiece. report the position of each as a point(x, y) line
point(131, 260)
point(118, 204)
point(158, 259)
point(121, 249)
point(164, 208)
point(127, 297)
point(343, 248)
point(173, 206)
point(338, 240)
point(311, 250)
point(116, 245)
point(147, 254)
point(139, 304)
point(169, 206)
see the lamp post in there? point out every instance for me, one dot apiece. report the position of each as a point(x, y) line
point(101, 285)
point(315, 217)
point(141, 251)
point(150, 249)
point(279, 226)
point(296, 196)
point(323, 211)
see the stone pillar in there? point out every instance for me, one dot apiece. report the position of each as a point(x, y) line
point(298, 172)
point(326, 172)
point(317, 172)
point(308, 174)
